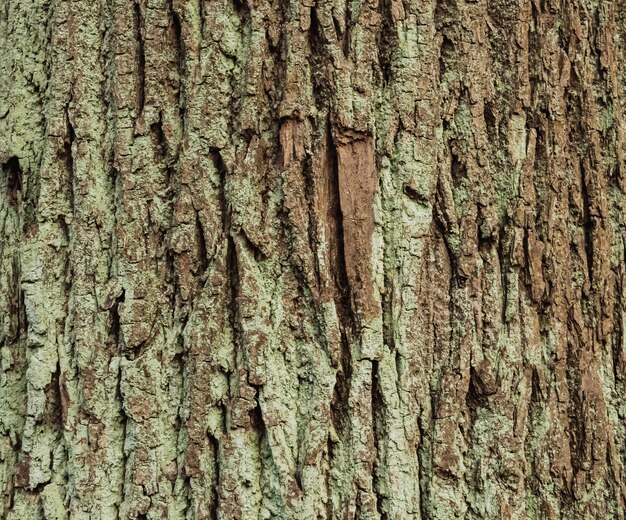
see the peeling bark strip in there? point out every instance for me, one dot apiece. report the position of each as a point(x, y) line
point(312, 259)
point(358, 184)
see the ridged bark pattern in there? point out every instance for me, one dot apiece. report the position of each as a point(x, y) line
point(312, 259)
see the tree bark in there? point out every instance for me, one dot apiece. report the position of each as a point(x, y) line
point(317, 259)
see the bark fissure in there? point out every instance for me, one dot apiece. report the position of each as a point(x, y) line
point(342, 259)
point(141, 56)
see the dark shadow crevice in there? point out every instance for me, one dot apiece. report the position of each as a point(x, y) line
point(13, 174)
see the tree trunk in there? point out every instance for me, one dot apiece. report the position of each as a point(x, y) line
point(318, 259)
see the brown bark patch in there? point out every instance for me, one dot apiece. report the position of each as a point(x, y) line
point(358, 182)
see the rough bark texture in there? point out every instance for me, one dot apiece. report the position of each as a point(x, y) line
point(315, 259)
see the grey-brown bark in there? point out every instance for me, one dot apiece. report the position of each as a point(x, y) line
point(323, 259)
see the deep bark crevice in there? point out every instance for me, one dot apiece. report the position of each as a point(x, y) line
point(140, 57)
point(379, 429)
point(68, 144)
point(13, 175)
point(203, 255)
point(342, 284)
point(588, 224)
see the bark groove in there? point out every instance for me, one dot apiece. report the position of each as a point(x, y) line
point(312, 259)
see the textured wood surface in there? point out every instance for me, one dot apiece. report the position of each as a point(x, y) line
point(333, 259)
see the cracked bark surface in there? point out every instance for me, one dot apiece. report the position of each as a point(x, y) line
point(317, 259)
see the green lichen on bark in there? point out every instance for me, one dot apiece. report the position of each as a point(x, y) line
point(312, 259)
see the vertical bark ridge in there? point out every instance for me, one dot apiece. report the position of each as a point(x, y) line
point(304, 259)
